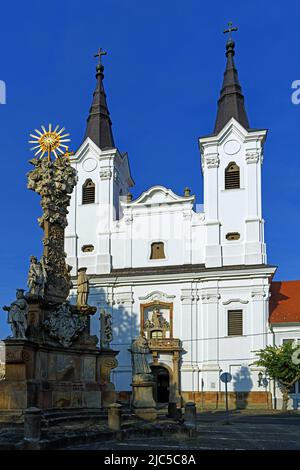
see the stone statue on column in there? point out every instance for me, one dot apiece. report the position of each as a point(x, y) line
point(142, 380)
point(17, 315)
point(82, 288)
point(139, 352)
point(36, 278)
point(106, 334)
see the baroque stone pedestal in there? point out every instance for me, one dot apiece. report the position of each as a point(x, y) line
point(59, 366)
point(143, 403)
point(48, 377)
point(107, 362)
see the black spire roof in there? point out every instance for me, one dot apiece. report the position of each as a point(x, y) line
point(99, 123)
point(231, 101)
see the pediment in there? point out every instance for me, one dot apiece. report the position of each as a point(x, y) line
point(159, 195)
point(87, 148)
point(156, 296)
point(233, 129)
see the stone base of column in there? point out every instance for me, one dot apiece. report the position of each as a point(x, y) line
point(143, 403)
point(107, 362)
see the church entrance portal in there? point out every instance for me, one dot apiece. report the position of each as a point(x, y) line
point(161, 384)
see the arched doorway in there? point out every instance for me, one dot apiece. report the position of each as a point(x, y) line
point(161, 389)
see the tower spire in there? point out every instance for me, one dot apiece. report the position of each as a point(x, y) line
point(231, 101)
point(98, 122)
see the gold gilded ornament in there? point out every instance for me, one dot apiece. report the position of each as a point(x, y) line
point(50, 141)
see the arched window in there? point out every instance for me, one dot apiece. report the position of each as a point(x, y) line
point(157, 250)
point(88, 192)
point(232, 176)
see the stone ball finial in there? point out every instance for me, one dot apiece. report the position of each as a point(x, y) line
point(186, 192)
point(99, 70)
point(230, 45)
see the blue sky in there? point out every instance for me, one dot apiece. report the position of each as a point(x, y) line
point(163, 74)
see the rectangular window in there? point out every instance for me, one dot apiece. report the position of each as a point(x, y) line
point(235, 322)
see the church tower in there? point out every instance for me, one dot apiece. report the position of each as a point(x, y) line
point(231, 164)
point(103, 178)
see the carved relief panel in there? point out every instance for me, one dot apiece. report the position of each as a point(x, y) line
point(157, 320)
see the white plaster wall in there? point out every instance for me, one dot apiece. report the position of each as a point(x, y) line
point(92, 224)
point(161, 215)
point(201, 300)
point(233, 210)
point(199, 321)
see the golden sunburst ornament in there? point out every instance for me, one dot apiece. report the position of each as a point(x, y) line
point(49, 141)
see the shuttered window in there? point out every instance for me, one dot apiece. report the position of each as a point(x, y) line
point(235, 322)
point(232, 176)
point(88, 192)
point(157, 251)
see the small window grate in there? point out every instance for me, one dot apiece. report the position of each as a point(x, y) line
point(232, 176)
point(157, 251)
point(233, 236)
point(235, 322)
point(87, 248)
point(88, 192)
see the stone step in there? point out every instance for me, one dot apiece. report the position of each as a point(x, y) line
point(53, 418)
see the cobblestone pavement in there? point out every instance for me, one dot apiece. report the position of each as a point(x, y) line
point(245, 432)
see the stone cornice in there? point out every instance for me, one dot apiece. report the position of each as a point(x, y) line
point(190, 273)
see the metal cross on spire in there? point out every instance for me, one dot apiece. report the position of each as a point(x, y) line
point(99, 54)
point(230, 29)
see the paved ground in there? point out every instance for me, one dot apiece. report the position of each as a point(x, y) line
point(246, 430)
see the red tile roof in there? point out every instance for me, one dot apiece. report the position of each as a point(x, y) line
point(285, 302)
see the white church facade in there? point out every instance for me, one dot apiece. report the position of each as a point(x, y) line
point(196, 283)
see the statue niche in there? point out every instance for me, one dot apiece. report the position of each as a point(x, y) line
point(156, 324)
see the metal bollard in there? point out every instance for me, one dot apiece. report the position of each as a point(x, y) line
point(114, 417)
point(32, 425)
point(190, 414)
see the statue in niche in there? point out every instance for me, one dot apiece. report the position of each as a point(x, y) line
point(36, 277)
point(68, 275)
point(139, 352)
point(82, 288)
point(17, 315)
point(157, 324)
point(106, 329)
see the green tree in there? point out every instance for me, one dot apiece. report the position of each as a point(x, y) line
point(281, 363)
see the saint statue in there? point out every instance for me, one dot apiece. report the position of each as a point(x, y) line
point(17, 315)
point(68, 275)
point(106, 329)
point(139, 351)
point(157, 324)
point(36, 277)
point(82, 288)
point(156, 318)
